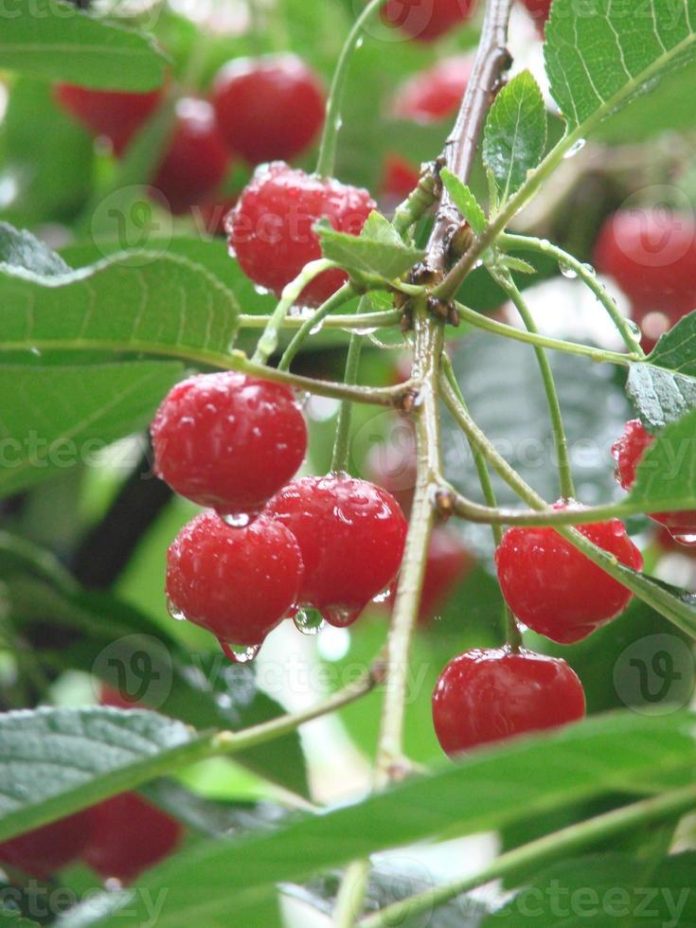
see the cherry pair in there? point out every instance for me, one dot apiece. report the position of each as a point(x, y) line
point(332, 543)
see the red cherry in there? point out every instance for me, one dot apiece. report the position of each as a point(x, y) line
point(272, 227)
point(116, 699)
point(427, 21)
point(351, 535)
point(436, 93)
point(238, 583)
point(43, 852)
point(554, 589)
point(129, 835)
point(196, 160)
point(228, 441)
point(486, 696)
point(268, 108)
point(114, 114)
point(539, 10)
point(651, 254)
point(628, 452)
point(449, 561)
point(399, 178)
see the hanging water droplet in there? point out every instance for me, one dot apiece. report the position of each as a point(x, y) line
point(309, 621)
point(262, 291)
point(340, 616)
point(316, 329)
point(688, 541)
point(177, 614)
point(575, 148)
point(634, 327)
point(568, 271)
point(384, 596)
point(339, 123)
point(35, 351)
point(240, 653)
point(237, 519)
point(303, 398)
point(365, 331)
point(360, 42)
point(589, 269)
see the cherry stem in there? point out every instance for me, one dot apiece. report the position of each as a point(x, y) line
point(565, 473)
point(375, 320)
point(326, 160)
point(314, 322)
point(480, 321)
point(584, 273)
point(536, 853)
point(341, 449)
point(270, 336)
point(513, 633)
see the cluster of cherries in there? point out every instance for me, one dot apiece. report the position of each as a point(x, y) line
point(267, 547)
point(118, 839)
point(259, 109)
point(426, 22)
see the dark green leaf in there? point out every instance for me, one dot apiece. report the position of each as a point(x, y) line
point(599, 63)
point(54, 40)
point(61, 417)
point(676, 349)
point(379, 251)
point(515, 135)
point(464, 200)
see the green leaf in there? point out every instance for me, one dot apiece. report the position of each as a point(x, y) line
point(604, 890)
point(378, 251)
point(47, 159)
point(143, 302)
point(54, 40)
point(61, 417)
point(487, 790)
point(666, 475)
point(600, 62)
point(56, 760)
point(23, 250)
point(516, 133)
point(660, 396)
point(138, 658)
point(464, 200)
point(676, 349)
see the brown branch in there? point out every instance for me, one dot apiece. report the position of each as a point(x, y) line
point(492, 60)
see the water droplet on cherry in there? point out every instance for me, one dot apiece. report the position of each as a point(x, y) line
point(237, 519)
point(240, 653)
point(689, 541)
point(340, 616)
point(177, 614)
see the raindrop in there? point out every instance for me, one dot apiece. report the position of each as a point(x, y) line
point(338, 124)
point(383, 597)
point(568, 271)
point(316, 329)
point(309, 621)
point(365, 331)
point(689, 541)
point(340, 616)
point(237, 519)
point(589, 269)
point(360, 42)
point(240, 653)
point(575, 148)
point(634, 328)
point(262, 291)
point(177, 614)
point(35, 351)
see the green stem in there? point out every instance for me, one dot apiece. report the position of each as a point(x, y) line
point(351, 895)
point(379, 320)
point(584, 273)
point(479, 321)
point(311, 325)
point(341, 449)
point(205, 747)
point(565, 473)
point(417, 203)
point(537, 853)
point(429, 338)
point(329, 139)
point(513, 633)
point(270, 336)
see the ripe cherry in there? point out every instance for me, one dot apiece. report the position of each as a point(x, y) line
point(272, 227)
point(557, 591)
point(228, 441)
point(539, 10)
point(268, 108)
point(45, 851)
point(115, 115)
point(196, 159)
point(436, 93)
point(487, 696)
point(427, 21)
point(628, 452)
point(651, 254)
point(129, 835)
point(399, 179)
point(238, 583)
point(351, 534)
